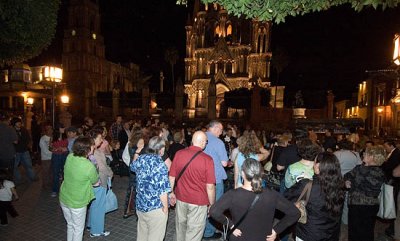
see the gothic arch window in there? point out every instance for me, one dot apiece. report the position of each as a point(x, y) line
point(217, 31)
point(258, 43)
point(264, 43)
point(229, 29)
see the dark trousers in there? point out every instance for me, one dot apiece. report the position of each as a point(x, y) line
point(9, 165)
point(57, 167)
point(362, 222)
point(6, 206)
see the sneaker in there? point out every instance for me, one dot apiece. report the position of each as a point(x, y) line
point(103, 234)
point(53, 194)
point(88, 229)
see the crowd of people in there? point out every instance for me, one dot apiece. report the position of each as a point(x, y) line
point(188, 168)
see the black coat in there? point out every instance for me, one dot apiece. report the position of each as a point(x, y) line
point(123, 138)
point(391, 163)
point(320, 226)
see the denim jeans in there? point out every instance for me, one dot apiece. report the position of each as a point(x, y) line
point(97, 211)
point(23, 158)
point(57, 166)
point(210, 229)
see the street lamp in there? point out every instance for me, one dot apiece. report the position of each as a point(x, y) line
point(396, 52)
point(53, 75)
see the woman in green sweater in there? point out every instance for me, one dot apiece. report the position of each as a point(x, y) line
point(76, 190)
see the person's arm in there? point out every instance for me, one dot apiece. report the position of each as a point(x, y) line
point(164, 201)
point(396, 171)
point(172, 197)
point(263, 155)
point(93, 175)
point(168, 163)
point(14, 192)
point(44, 147)
point(211, 193)
point(223, 155)
point(292, 214)
point(217, 210)
point(236, 173)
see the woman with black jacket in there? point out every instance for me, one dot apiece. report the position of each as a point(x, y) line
point(325, 204)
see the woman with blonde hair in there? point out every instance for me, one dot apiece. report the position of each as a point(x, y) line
point(249, 147)
point(364, 183)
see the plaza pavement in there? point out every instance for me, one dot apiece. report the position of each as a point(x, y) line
point(41, 218)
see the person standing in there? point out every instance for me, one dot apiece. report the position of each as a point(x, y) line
point(216, 149)
point(196, 190)
point(8, 137)
point(76, 190)
point(7, 190)
point(22, 155)
point(151, 192)
point(59, 149)
point(45, 156)
point(115, 128)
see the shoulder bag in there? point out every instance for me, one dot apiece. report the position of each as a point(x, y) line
point(302, 203)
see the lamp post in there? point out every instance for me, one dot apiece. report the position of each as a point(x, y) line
point(53, 75)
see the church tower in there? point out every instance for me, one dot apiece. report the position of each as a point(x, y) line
point(233, 52)
point(83, 55)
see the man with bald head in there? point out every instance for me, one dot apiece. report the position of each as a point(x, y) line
point(194, 189)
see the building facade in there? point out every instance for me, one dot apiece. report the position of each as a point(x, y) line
point(224, 53)
point(86, 70)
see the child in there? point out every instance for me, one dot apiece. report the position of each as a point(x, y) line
point(7, 190)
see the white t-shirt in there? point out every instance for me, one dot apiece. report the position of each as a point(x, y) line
point(5, 192)
point(45, 153)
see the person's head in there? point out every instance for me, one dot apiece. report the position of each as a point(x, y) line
point(282, 140)
point(115, 144)
point(97, 135)
point(252, 172)
point(328, 132)
point(71, 132)
point(328, 173)
point(346, 145)
point(16, 122)
point(48, 130)
point(126, 125)
point(250, 144)
point(156, 146)
point(178, 137)
point(83, 146)
point(389, 145)
point(215, 127)
point(308, 150)
point(374, 156)
point(136, 139)
point(229, 132)
point(88, 121)
point(118, 119)
point(199, 139)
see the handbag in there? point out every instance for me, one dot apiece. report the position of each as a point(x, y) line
point(302, 203)
point(111, 198)
point(184, 168)
point(228, 231)
point(387, 208)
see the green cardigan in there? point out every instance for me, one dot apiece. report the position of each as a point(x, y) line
point(79, 175)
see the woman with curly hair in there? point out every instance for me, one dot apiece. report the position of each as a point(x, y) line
point(132, 151)
point(249, 147)
point(365, 183)
point(326, 200)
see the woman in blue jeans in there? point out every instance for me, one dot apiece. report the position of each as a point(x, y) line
point(59, 149)
point(97, 210)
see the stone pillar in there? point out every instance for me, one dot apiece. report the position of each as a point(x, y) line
point(330, 99)
point(10, 102)
point(179, 100)
point(115, 101)
point(212, 99)
point(255, 104)
point(145, 101)
point(28, 118)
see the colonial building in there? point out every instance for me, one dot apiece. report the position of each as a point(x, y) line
point(224, 53)
point(377, 102)
point(86, 70)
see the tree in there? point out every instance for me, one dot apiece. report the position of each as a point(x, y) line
point(278, 10)
point(26, 28)
point(171, 56)
point(280, 61)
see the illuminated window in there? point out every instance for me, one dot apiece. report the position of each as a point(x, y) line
point(229, 30)
point(217, 31)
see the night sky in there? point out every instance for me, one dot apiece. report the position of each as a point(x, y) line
point(326, 50)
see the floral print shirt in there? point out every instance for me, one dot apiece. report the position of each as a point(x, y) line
point(152, 181)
